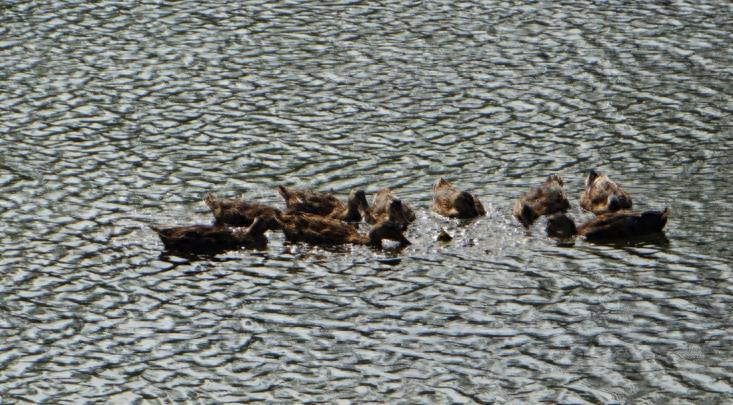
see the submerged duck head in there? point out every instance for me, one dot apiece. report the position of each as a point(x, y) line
point(396, 214)
point(387, 230)
point(561, 226)
point(356, 204)
point(392, 228)
point(527, 215)
point(465, 204)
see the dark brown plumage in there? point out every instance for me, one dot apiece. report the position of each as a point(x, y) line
point(234, 212)
point(211, 238)
point(325, 204)
point(612, 225)
point(601, 195)
point(311, 228)
point(547, 199)
point(452, 203)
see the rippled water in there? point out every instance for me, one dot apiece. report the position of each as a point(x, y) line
point(121, 114)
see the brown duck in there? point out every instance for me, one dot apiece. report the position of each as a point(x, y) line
point(601, 194)
point(547, 199)
point(380, 209)
point(311, 228)
point(325, 204)
point(210, 238)
point(611, 225)
point(234, 212)
point(452, 203)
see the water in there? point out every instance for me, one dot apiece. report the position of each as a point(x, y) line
point(120, 114)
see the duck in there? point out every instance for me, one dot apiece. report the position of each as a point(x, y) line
point(448, 201)
point(235, 212)
point(379, 210)
point(211, 238)
point(609, 226)
point(312, 228)
point(601, 195)
point(325, 204)
point(547, 199)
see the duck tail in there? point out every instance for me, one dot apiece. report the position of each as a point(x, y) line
point(561, 226)
point(283, 192)
point(554, 178)
point(210, 200)
point(440, 184)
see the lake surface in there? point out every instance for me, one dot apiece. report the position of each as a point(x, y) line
point(121, 114)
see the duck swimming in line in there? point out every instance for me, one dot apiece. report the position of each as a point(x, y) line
point(306, 227)
point(611, 225)
point(235, 212)
point(212, 238)
point(325, 204)
point(453, 203)
point(379, 210)
point(547, 199)
point(601, 195)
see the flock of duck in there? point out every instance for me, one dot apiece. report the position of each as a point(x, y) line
point(320, 218)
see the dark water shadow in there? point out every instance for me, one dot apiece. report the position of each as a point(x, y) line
point(657, 239)
point(210, 254)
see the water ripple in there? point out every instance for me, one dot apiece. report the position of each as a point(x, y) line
point(118, 115)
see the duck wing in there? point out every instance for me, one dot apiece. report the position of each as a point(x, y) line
point(304, 227)
point(197, 237)
point(380, 208)
point(312, 202)
point(238, 212)
point(602, 195)
point(624, 224)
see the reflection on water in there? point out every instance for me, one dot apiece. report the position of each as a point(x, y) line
point(118, 115)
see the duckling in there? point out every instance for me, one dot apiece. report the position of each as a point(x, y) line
point(543, 200)
point(611, 225)
point(325, 204)
point(229, 211)
point(209, 238)
point(452, 203)
point(306, 227)
point(601, 194)
point(379, 211)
